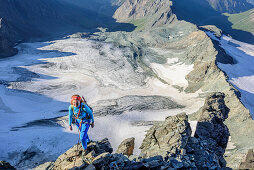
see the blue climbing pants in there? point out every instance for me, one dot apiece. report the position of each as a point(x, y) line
point(83, 128)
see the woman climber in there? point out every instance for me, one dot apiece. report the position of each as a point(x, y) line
point(82, 115)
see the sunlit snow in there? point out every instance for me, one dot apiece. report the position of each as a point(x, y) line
point(38, 83)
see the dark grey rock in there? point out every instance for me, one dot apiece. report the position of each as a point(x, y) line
point(211, 133)
point(90, 167)
point(6, 166)
point(167, 138)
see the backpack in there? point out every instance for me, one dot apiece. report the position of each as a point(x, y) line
point(82, 103)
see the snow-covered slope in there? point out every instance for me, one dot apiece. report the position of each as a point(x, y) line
point(36, 86)
point(241, 74)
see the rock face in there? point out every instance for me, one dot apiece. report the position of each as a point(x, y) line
point(210, 128)
point(248, 162)
point(172, 139)
point(126, 147)
point(6, 40)
point(208, 77)
point(212, 28)
point(145, 12)
point(73, 157)
point(167, 138)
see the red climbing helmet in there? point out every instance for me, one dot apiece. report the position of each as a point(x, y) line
point(75, 97)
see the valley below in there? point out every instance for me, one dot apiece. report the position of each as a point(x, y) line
point(38, 82)
point(133, 81)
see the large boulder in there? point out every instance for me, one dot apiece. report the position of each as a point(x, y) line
point(167, 138)
point(75, 156)
point(126, 147)
point(211, 136)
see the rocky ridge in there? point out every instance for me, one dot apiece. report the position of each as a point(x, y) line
point(172, 139)
point(166, 145)
point(230, 6)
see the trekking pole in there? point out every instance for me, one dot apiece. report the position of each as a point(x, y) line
point(76, 153)
point(77, 144)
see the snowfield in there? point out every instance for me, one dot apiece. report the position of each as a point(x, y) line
point(37, 84)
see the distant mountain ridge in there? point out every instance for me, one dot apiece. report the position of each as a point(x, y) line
point(231, 6)
point(201, 13)
point(243, 21)
point(145, 13)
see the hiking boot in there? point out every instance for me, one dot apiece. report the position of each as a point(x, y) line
point(87, 160)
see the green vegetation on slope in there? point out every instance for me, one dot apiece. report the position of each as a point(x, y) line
point(243, 21)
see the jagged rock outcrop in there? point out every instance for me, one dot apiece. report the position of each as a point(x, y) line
point(6, 166)
point(210, 127)
point(7, 35)
point(168, 138)
point(207, 77)
point(172, 139)
point(98, 156)
point(145, 13)
point(213, 29)
point(166, 145)
point(94, 152)
point(248, 162)
point(126, 147)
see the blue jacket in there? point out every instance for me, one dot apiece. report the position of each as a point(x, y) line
point(84, 113)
